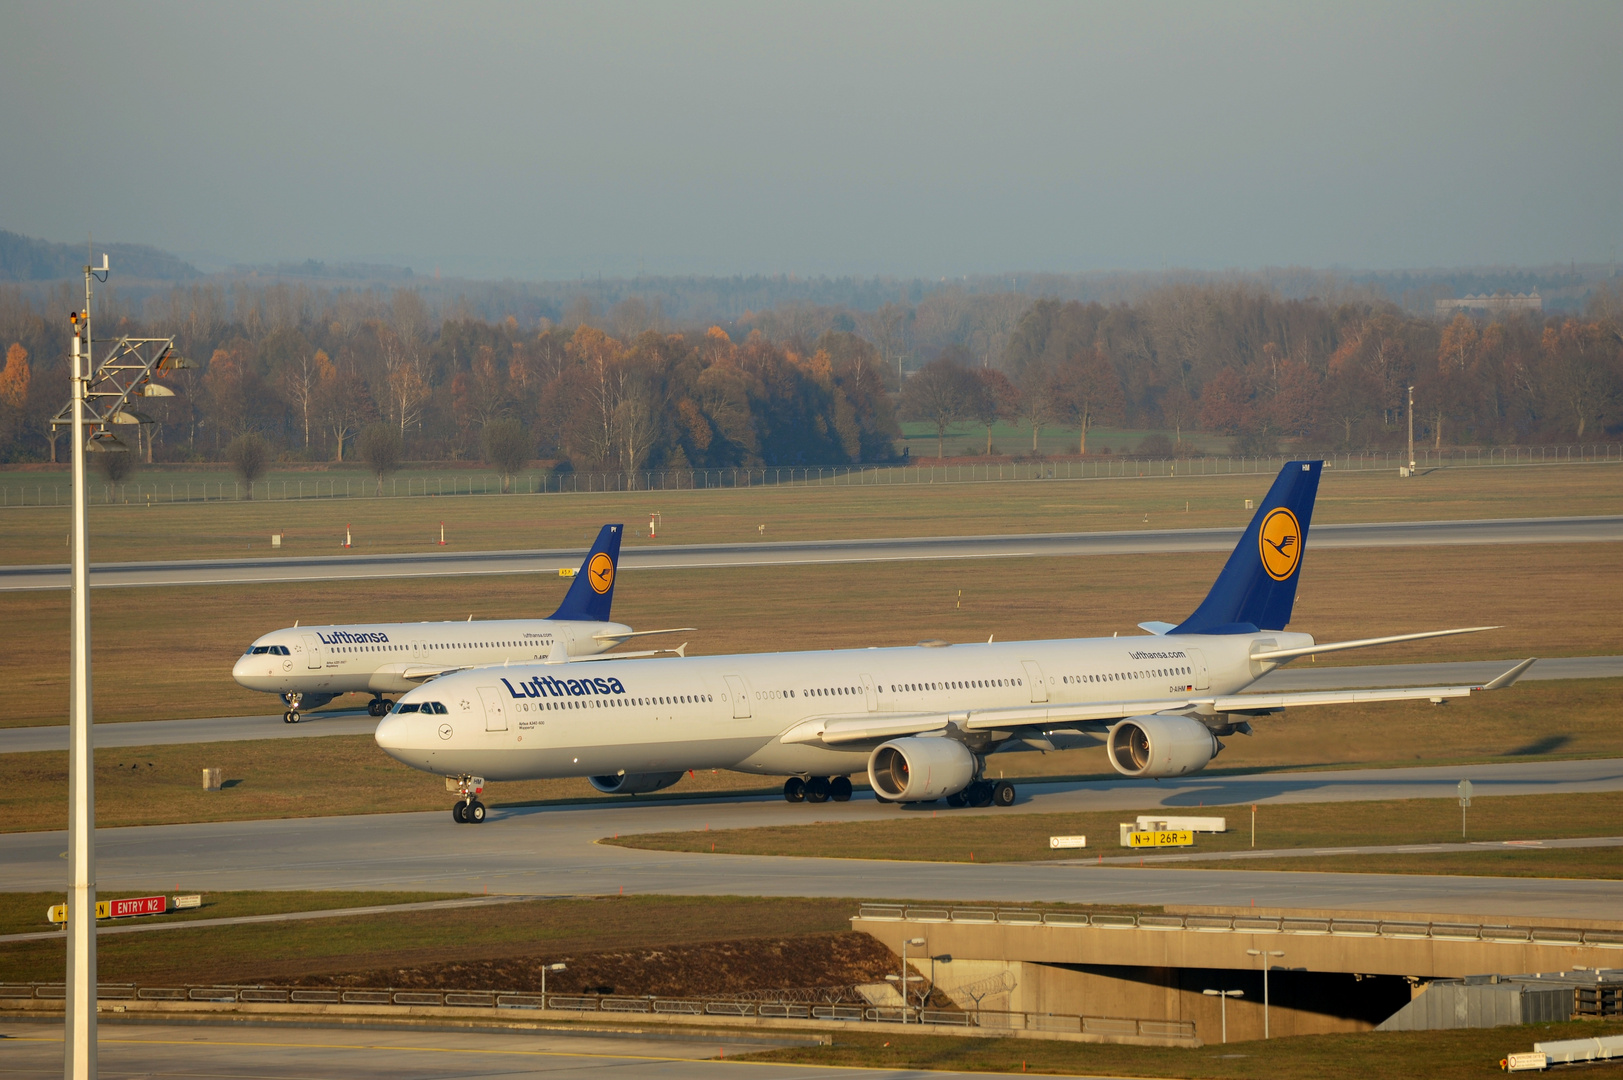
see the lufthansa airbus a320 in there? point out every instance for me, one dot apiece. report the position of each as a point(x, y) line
point(920, 721)
point(308, 666)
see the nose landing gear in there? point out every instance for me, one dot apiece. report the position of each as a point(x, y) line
point(292, 701)
point(469, 810)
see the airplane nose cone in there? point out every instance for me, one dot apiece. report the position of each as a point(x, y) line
point(239, 670)
point(394, 732)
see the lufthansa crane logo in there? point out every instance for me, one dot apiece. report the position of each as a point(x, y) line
point(600, 572)
point(1280, 543)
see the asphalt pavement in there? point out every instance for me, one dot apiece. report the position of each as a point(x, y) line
point(355, 721)
point(553, 851)
point(1563, 530)
point(380, 1051)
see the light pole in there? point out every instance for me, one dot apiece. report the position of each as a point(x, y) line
point(79, 1041)
point(1225, 995)
point(917, 942)
point(1411, 431)
point(1264, 954)
point(544, 969)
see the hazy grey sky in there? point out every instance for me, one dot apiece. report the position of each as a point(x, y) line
point(549, 140)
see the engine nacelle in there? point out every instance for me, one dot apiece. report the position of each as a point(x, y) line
point(634, 783)
point(1155, 746)
point(919, 770)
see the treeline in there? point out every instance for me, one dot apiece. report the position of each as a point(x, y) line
point(308, 371)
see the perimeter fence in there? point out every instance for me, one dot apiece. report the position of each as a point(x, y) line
point(19, 493)
point(581, 1004)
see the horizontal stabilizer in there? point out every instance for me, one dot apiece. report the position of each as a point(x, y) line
point(1157, 628)
point(1274, 656)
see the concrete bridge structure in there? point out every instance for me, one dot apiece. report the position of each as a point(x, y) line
point(1337, 972)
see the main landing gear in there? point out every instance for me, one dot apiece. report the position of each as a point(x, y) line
point(984, 793)
point(469, 810)
point(817, 789)
point(379, 706)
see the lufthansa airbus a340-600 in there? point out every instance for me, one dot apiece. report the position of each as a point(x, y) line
point(919, 721)
point(308, 666)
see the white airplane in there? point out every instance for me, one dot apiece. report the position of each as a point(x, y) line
point(308, 666)
point(920, 721)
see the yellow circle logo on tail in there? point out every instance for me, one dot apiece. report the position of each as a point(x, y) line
point(600, 572)
point(1280, 543)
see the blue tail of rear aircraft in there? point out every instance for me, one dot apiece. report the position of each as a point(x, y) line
point(592, 594)
point(1257, 587)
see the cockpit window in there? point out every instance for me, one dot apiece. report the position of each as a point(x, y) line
point(261, 650)
point(407, 706)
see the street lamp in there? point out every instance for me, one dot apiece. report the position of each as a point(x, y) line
point(1264, 954)
point(1225, 995)
point(544, 969)
point(917, 943)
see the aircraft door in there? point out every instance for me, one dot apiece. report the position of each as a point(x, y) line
point(869, 692)
point(741, 697)
point(495, 709)
point(1035, 680)
point(312, 651)
point(417, 650)
point(1197, 661)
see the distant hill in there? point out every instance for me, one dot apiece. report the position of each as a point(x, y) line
point(23, 258)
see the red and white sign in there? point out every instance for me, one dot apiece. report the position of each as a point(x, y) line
point(138, 905)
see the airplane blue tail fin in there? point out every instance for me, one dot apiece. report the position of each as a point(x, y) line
point(591, 595)
point(1257, 587)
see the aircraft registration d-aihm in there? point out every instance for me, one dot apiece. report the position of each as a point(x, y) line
point(919, 721)
point(308, 666)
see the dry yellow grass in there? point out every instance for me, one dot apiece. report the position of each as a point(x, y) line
point(221, 530)
point(167, 652)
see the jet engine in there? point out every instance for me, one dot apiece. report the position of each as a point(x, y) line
point(919, 770)
point(634, 783)
point(1156, 746)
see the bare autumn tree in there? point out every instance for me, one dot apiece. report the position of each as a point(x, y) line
point(1088, 391)
point(995, 398)
point(507, 447)
point(942, 392)
point(301, 379)
point(249, 456)
point(381, 448)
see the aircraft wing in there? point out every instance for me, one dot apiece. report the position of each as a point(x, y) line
point(423, 674)
point(873, 727)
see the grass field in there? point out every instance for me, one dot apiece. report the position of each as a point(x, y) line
point(546, 929)
point(942, 836)
point(235, 529)
point(163, 653)
point(1437, 1055)
point(21, 913)
point(333, 775)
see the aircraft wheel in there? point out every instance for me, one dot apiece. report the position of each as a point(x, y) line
point(475, 813)
point(287, 718)
point(459, 813)
point(980, 793)
point(377, 708)
point(794, 790)
point(839, 789)
point(817, 789)
point(1002, 793)
point(293, 718)
point(957, 799)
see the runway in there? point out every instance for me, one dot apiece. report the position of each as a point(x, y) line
point(1565, 530)
point(552, 851)
point(381, 1051)
point(355, 722)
